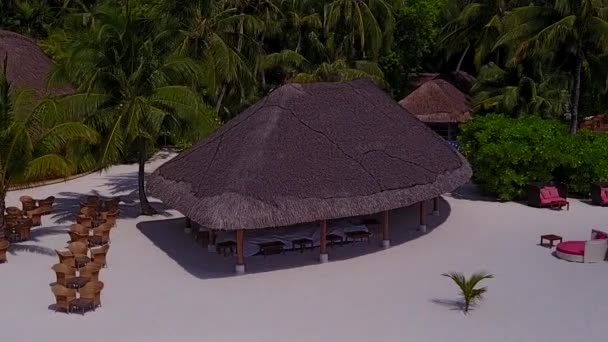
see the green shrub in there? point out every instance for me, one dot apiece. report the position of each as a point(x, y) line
point(506, 154)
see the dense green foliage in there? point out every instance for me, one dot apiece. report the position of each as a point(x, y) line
point(507, 154)
point(37, 140)
point(539, 51)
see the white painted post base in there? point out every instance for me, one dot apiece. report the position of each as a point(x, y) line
point(239, 269)
point(386, 244)
point(323, 258)
point(210, 248)
point(188, 230)
point(435, 212)
point(423, 228)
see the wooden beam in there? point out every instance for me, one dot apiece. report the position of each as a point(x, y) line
point(385, 230)
point(422, 206)
point(436, 206)
point(240, 260)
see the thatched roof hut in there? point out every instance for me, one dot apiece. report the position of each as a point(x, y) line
point(28, 66)
point(438, 101)
point(310, 152)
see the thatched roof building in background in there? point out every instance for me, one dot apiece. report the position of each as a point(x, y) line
point(438, 101)
point(310, 152)
point(28, 66)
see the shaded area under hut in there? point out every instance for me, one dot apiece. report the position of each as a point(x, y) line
point(307, 154)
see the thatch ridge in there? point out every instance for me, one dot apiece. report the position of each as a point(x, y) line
point(28, 66)
point(290, 159)
point(438, 101)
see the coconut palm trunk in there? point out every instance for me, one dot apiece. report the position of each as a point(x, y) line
point(2, 209)
point(576, 94)
point(464, 53)
point(146, 208)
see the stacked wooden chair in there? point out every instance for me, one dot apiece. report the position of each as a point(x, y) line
point(18, 225)
point(4, 245)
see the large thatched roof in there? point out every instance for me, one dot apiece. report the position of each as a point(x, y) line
point(309, 152)
point(28, 66)
point(438, 101)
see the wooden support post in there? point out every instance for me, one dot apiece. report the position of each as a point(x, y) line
point(386, 242)
point(211, 243)
point(323, 256)
point(240, 260)
point(436, 206)
point(422, 216)
point(188, 228)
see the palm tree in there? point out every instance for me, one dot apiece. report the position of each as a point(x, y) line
point(477, 25)
point(132, 89)
point(354, 27)
point(340, 70)
point(567, 32)
point(518, 91)
point(33, 139)
point(468, 287)
point(302, 18)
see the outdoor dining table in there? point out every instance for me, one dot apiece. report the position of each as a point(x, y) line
point(77, 282)
point(81, 261)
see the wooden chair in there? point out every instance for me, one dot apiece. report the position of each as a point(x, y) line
point(63, 297)
point(99, 255)
point(78, 248)
point(89, 212)
point(79, 237)
point(4, 244)
point(27, 203)
point(91, 271)
point(24, 231)
point(92, 291)
point(36, 216)
point(47, 204)
point(78, 228)
point(110, 217)
point(86, 221)
point(63, 273)
point(103, 232)
point(14, 212)
point(66, 257)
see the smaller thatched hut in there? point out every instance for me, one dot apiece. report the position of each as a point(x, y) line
point(28, 66)
point(441, 105)
point(310, 153)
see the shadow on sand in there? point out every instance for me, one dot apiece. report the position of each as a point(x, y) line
point(67, 204)
point(36, 235)
point(169, 236)
point(454, 305)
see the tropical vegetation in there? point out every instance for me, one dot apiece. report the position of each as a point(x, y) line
point(471, 294)
point(154, 72)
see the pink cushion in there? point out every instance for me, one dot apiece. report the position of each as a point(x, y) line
point(601, 235)
point(545, 193)
point(604, 195)
point(572, 247)
point(553, 191)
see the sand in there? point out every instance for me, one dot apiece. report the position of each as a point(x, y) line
point(161, 285)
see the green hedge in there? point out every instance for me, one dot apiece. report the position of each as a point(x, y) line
point(506, 154)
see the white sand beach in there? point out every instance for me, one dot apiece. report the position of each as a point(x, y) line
point(161, 285)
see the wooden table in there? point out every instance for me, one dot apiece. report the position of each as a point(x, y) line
point(550, 238)
point(360, 235)
point(95, 241)
point(272, 247)
point(77, 282)
point(302, 244)
point(82, 304)
point(333, 238)
point(81, 261)
point(224, 247)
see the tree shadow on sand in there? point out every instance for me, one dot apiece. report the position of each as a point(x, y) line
point(36, 235)
point(192, 256)
point(454, 305)
point(123, 185)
